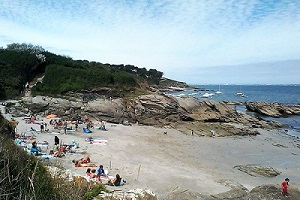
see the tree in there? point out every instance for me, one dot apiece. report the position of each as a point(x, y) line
point(33, 49)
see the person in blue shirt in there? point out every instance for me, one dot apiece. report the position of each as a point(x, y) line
point(34, 149)
point(100, 171)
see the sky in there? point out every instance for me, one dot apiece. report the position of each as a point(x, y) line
point(195, 41)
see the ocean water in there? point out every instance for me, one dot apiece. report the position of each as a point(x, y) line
point(285, 94)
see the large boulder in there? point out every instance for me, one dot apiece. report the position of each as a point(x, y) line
point(155, 109)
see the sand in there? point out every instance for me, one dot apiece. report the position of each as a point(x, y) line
point(149, 159)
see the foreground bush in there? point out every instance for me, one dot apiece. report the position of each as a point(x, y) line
point(22, 176)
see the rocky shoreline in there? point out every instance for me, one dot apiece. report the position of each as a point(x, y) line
point(183, 113)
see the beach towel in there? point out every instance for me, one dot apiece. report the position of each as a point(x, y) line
point(82, 165)
point(33, 131)
point(99, 141)
point(85, 130)
point(47, 156)
point(55, 133)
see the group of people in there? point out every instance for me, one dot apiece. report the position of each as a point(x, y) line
point(91, 174)
point(89, 124)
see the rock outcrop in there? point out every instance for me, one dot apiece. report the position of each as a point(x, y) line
point(239, 192)
point(257, 170)
point(273, 109)
point(183, 113)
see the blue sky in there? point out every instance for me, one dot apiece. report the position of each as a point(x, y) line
point(196, 41)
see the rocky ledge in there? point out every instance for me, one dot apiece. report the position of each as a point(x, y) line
point(186, 114)
point(273, 109)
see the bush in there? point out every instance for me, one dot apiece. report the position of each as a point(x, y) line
point(22, 176)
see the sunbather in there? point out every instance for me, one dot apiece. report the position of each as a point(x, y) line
point(88, 172)
point(116, 181)
point(34, 149)
point(93, 173)
point(83, 162)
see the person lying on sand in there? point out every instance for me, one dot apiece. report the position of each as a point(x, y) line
point(83, 162)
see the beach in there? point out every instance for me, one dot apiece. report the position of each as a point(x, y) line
point(166, 160)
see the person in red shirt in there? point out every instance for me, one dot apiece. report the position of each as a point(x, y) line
point(284, 187)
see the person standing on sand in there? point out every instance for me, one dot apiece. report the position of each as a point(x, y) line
point(56, 140)
point(284, 187)
point(76, 126)
point(65, 126)
point(42, 126)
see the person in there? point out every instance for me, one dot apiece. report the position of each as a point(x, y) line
point(93, 173)
point(86, 160)
point(76, 126)
point(115, 181)
point(42, 126)
point(32, 118)
point(57, 152)
point(46, 129)
point(88, 172)
point(284, 187)
point(86, 118)
point(56, 140)
point(100, 171)
point(34, 149)
point(65, 124)
point(103, 125)
point(212, 133)
point(83, 162)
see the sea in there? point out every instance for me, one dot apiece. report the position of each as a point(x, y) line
point(285, 94)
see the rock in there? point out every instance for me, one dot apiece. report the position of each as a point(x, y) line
point(180, 194)
point(279, 145)
point(257, 170)
point(237, 191)
point(273, 109)
point(131, 194)
point(272, 192)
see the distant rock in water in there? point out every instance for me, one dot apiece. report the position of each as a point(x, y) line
point(273, 109)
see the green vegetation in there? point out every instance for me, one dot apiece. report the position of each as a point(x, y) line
point(21, 63)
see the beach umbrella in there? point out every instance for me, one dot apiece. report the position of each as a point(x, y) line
point(51, 116)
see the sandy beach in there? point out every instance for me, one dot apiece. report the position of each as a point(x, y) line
point(149, 159)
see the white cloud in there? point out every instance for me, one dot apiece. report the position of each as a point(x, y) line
point(166, 35)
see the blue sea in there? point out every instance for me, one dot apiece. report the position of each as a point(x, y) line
point(285, 94)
